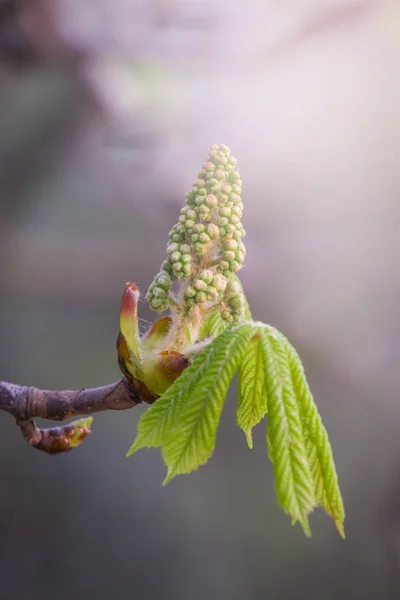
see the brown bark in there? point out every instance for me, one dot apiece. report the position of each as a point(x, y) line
point(26, 403)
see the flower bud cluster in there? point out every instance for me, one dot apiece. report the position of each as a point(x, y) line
point(234, 302)
point(157, 294)
point(205, 247)
point(206, 287)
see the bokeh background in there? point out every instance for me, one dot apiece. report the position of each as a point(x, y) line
point(107, 111)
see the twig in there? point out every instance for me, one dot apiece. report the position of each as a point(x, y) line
point(26, 403)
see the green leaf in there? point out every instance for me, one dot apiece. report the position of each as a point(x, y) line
point(252, 395)
point(318, 448)
point(190, 441)
point(294, 482)
point(185, 419)
point(213, 325)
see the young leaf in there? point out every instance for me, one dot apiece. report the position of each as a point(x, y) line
point(213, 325)
point(294, 483)
point(190, 439)
point(156, 423)
point(252, 396)
point(318, 448)
point(157, 332)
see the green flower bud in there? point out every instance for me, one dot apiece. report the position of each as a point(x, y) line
point(184, 248)
point(220, 282)
point(182, 219)
point(224, 265)
point(158, 292)
point(177, 266)
point(223, 221)
point(163, 280)
point(235, 198)
point(220, 174)
point(157, 303)
point(202, 192)
point(201, 297)
point(204, 216)
point(234, 220)
point(204, 209)
point(237, 211)
point(176, 256)
point(242, 247)
point(190, 292)
point(199, 228)
point(184, 210)
point(200, 285)
point(187, 270)
point(204, 238)
point(207, 276)
point(171, 248)
point(239, 256)
point(191, 214)
point(212, 293)
point(230, 244)
point(226, 188)
point(226, 315)
point(230, 229)
point(209, 166)
point(190, 302)
point(234, 266)
point(166, 266)
point(211, 201)
point(236, 189)
point(222, 232)
point(189, 224)
point(238, 234)
point(186, 258)
point(223, 160)
point(225, 211)
point(233, 288)
point(213, 231)
point(224, 199)
point(229, 255)
point(195, 237)
point(200, 249)
point(236, 301)
point(177, 237)
point(200, 183)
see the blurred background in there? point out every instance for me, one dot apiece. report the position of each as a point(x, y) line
point(107, 111)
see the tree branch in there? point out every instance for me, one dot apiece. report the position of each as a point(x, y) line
point(26, 403)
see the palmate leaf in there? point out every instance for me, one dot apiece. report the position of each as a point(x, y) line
point(185, 419)
point(252, 395)
point(294, 482)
